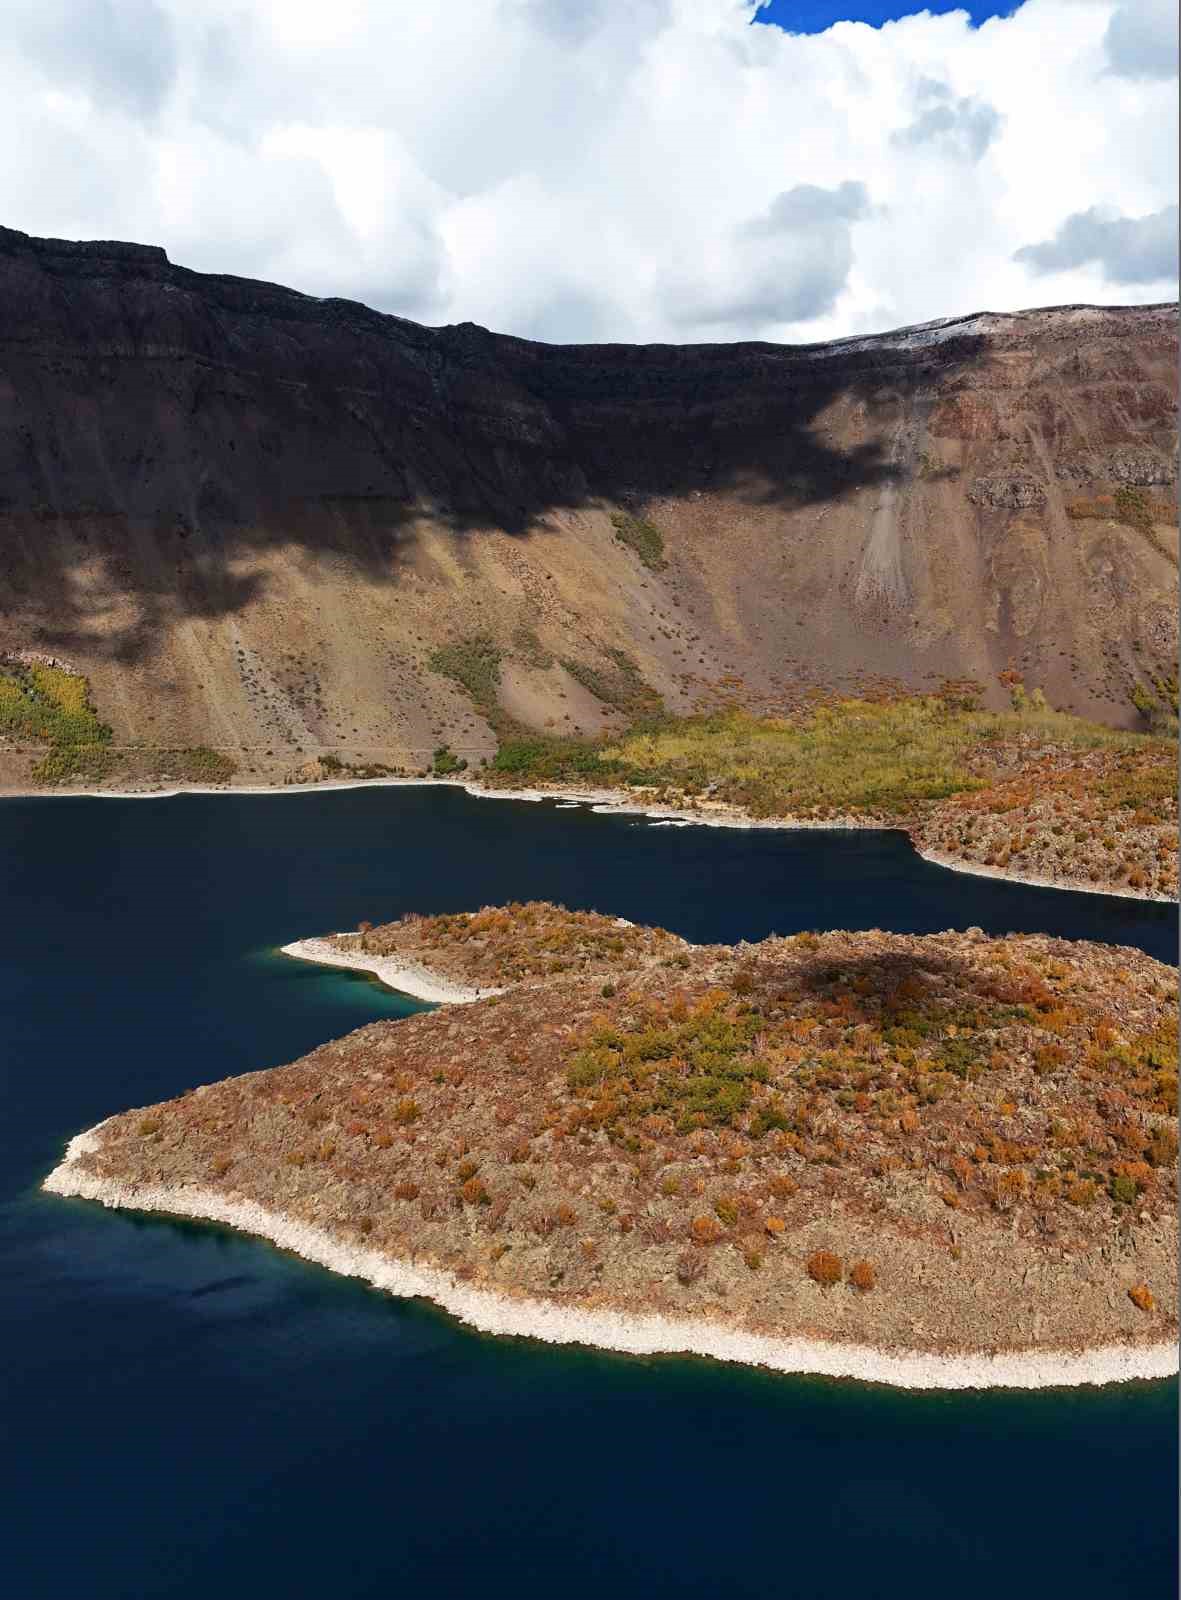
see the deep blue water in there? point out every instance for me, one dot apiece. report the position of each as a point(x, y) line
point(189, 1413)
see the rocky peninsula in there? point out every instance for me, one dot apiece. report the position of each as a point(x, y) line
point(943, 1161)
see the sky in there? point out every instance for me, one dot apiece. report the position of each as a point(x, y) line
point(814, 16)
point(612, 170)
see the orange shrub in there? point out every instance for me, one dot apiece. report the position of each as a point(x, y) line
point(475, 1193)
point(1140, 1172)
point(705, 1230)
point(825, 1268)
point(774, 1225)
point(863, 1277)
point(405, 1190)
point(1141, 1295)
point(1050, 1056)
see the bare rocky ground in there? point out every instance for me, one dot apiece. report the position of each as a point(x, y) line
point(931, 1144)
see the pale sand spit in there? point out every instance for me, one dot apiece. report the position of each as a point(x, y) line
point(407, 977)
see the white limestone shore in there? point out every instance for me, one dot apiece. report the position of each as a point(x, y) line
point(407, 977)
point(603, 801)
point(978, 869)
point(631, 1333)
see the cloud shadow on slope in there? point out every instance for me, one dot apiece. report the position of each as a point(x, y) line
point(169, 428)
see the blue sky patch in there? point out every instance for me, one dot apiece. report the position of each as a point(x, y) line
point(814, 16)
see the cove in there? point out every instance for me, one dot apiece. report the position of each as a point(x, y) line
point(187, 1412)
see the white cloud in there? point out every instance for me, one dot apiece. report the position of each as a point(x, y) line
point(964, 127)
point(1141, 40)
point(611, 169)
point(1128, 250)
point(122, 52)
point(789, 265)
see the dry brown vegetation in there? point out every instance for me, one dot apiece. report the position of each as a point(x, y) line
point(1131, 506)
point(982, 1129)
point(1103, 819)
point(499, 945)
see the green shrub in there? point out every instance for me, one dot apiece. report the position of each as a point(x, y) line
point(553, 760)
point(697, 1069)
point(474, 664)
point(199, 764)
point(1133, 507)
point(530, 649)
point(78, 763)
point(1123, 1190)
point(619, 685)
point(639, 535)
point(445, 762)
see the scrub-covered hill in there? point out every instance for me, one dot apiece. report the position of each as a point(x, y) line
point(867, 1152)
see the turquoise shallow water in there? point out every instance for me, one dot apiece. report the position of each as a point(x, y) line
point(190, 1413)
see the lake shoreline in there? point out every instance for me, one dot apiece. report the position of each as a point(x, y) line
point(606, 802)
point(405, 977)
point(978, 869)
point(490, 1311)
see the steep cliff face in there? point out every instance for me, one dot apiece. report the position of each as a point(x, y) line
point(251, 516)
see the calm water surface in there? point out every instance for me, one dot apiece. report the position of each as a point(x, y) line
point(187, 1413)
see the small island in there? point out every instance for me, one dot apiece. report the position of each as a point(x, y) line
point(943, 1161)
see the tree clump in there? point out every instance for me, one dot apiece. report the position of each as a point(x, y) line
point(51, 705)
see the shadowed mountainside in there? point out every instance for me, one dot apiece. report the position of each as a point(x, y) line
point(250, 516)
